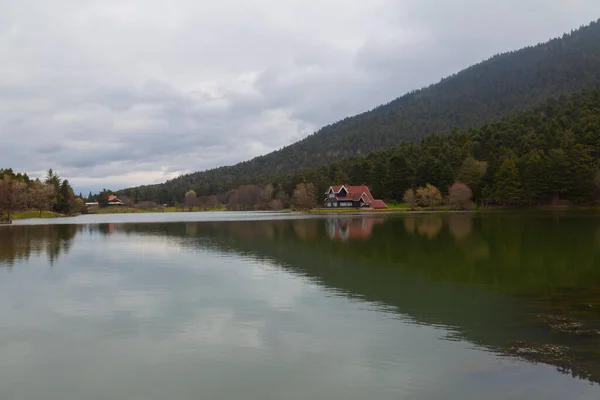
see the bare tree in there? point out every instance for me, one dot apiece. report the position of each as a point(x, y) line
point(79, 206)
point(429, 196)
point(410, 198)
point(146, 205)
point(283, 198)
point(460, 195)
point(207, 202)
point(7, 198)
point(246, 197)
point(269, 192)
point(305, 196)
point(21, 195)
point(190, 199)
point(43, 196)
point(276, 204)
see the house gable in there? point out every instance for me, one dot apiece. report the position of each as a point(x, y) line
point(351, 196)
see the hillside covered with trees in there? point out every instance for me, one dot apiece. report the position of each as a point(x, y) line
point(548, 154)
point(498, 87)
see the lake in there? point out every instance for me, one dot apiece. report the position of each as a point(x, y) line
point(295, 306)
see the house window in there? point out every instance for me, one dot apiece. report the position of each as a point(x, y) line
point(331, 195)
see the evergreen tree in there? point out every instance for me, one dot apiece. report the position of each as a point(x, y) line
point(399, 177)
point(507, 183)
point(558, 172)
point(534, 178)
point(580, 174)
point(378, 176)
point(66, 198)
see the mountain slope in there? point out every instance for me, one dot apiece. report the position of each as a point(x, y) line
point(504, 84)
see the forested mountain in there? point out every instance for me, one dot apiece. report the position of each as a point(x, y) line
point(504, 84)
point(547, 154)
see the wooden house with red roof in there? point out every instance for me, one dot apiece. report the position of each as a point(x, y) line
point(352, 196)
point(115, 201)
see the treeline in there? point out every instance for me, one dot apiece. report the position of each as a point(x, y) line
point(548, 154)
point(18, 192)
point(493, 89)
point(252, 197)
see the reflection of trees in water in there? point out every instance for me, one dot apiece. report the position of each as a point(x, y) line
point(474, 246)
point(429, 226)
point(191, 228)
point(410, 224)
point(460, 225)
point(20, 242)
point(306, 229)
point(495, 262)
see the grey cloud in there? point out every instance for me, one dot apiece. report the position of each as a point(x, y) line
point(115, 93)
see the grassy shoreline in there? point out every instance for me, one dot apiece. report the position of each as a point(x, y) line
point(393, 208)
point(36, 214)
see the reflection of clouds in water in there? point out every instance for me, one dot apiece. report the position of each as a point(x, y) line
point(218, 327)
point(276, 290)
point(156, 309)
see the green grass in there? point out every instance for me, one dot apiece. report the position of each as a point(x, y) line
point(35, 214)
point(398, 206)
point(133, 210)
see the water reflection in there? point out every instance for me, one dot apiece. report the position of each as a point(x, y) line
point(460, 225)
point(344, 228)
point(20, 242)
point(524, 285)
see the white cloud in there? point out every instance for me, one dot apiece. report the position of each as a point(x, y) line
point(121, 92)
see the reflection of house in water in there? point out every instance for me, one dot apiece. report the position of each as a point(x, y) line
point(351, 228)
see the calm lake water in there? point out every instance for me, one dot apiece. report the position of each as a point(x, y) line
point(286, 306)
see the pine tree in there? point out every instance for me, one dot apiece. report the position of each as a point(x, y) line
point(378, 178)
point(557, 173)
point(507, 183)
point(399, 177)
point(66, 198)
point(580, 174)
point(535, 186)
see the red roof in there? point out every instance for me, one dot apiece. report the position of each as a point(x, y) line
point(354, 192)
point(378, 204)
point(112, 198)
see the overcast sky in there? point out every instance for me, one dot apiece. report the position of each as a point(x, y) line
point(115, 93)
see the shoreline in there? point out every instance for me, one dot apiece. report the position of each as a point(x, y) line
point(320, 211)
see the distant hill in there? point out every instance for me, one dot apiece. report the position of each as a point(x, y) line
point(504, 84)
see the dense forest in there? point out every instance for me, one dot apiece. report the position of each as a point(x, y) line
point(548, 154)
point(18, 192)
point(498, 87)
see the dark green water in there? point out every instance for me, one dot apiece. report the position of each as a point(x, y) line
point(263, 306)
